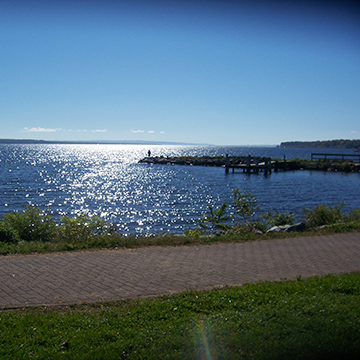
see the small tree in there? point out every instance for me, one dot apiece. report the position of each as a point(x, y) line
point(216, 218)
point(245, 205)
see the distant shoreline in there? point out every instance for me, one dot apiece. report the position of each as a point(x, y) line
point(327, 144)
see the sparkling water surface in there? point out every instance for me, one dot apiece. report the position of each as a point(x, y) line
point(106, 180)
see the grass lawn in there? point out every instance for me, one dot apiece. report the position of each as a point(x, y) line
point(315, 318)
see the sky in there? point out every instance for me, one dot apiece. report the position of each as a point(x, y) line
point(210, 72)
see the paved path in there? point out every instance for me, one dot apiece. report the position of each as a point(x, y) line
point(93, 276)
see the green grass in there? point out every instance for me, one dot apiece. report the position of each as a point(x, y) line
point(315, 318)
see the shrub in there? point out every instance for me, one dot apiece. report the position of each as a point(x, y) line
point(195, 233)
point(323, 215)
point(82, 227)
point(274, 218)
point(30, 225)
point(8, 235)
point(353, 216)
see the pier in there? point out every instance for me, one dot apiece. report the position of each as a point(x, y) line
point(251, 164)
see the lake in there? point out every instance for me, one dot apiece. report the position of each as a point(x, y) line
point(106, 180)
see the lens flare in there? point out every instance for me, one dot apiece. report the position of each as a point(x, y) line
point(204, 340)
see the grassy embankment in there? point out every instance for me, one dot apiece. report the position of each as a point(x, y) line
point(315, 318)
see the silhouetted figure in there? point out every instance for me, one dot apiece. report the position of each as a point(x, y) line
point(149, 153)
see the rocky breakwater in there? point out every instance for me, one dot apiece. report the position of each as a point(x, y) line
point(185, 160)
point(197, 160)
point(248, 162)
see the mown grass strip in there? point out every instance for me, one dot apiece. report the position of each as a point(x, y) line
point(315, 318)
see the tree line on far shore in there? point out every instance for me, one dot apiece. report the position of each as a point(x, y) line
point(327, 144)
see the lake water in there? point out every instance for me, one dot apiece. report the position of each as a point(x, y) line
point(106, 180)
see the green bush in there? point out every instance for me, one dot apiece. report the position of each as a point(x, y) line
point(8, 235)
point(274, 218)
point(353, 216)
point(83, 227)
point(323, 215)
point(195, 233)
point(29, 225)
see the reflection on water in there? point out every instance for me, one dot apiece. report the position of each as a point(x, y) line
point(106, 180)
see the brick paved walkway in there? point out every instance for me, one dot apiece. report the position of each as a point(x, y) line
point(93, 276)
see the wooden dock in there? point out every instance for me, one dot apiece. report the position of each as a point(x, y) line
point(251, 164)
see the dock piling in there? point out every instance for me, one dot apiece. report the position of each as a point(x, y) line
point(227, 164)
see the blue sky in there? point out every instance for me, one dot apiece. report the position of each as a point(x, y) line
point(226, 73)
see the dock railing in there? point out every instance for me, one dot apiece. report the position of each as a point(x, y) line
point(333, 156)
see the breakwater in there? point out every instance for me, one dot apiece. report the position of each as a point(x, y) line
point(256, 164)
point(245, 163)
